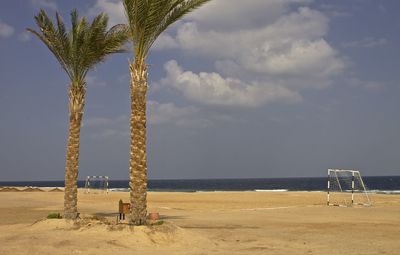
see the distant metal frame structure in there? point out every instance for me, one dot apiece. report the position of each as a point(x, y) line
point(96, 177)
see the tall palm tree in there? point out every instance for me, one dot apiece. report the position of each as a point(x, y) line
point(78, 51)
point(147, 19)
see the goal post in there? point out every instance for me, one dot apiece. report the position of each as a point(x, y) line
point(346, 188)
point(96, 183)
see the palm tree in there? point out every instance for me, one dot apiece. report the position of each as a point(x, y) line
point(147, 19)
point(78, 51)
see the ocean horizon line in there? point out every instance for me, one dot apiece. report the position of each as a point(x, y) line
point(224, 184)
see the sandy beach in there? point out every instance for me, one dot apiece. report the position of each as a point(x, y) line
point(201, 223)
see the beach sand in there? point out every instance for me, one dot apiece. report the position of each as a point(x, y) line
point(201, 223)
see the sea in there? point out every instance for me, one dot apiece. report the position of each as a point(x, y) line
point(375, 184)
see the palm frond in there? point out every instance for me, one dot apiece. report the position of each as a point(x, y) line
point(49, 36)
point(178, 11)
point(84, 45)
point(147, 19)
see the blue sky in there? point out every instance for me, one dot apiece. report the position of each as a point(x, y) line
point(258, 88)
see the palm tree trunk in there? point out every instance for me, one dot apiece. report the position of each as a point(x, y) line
point(76, 104)
point(138, 162)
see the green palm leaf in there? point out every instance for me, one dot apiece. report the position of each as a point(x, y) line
point(147, 19)
point(84, 45)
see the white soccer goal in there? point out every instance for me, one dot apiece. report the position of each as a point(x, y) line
point(346, 188)
point(96, 184)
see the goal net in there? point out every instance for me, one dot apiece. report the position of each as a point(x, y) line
point(346, 188)
point(96, 184)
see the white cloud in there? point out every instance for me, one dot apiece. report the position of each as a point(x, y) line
point(114, 9)
point(225, 13)
point(24, 37)
point(6, 30)
point(164, 42)
point(45, 4)
point(184, 116)
point(267, 62)
point(368, 42)
point(159, 113)
point(334, 10)
point(212, 88)
point(315, 58)
point(93, 81)
point(263, 52)
point(101, 127)
point(369, 85)
point(292, 45)
point(239, 14)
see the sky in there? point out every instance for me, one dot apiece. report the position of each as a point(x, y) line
point(238, 89)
